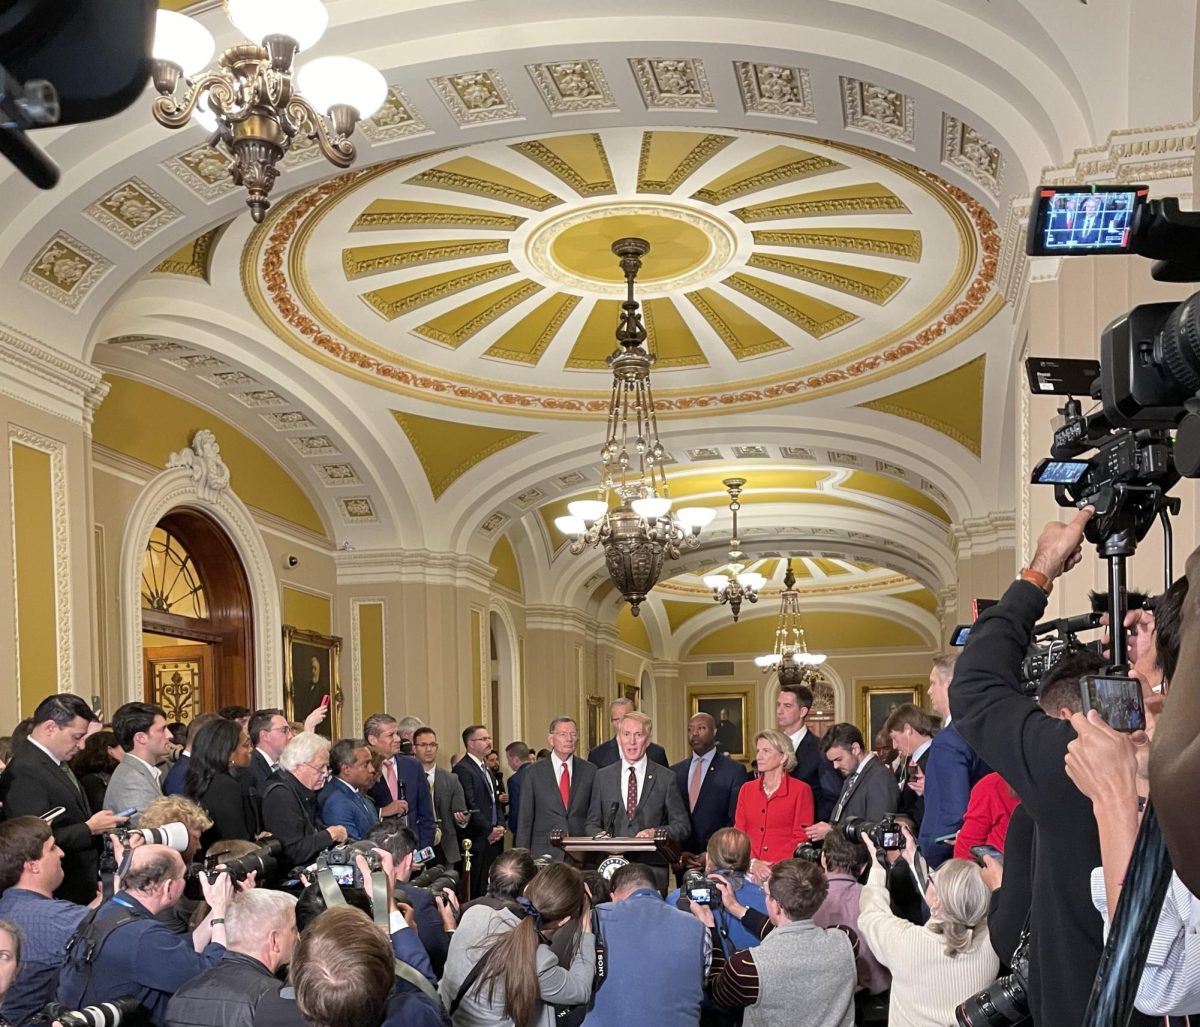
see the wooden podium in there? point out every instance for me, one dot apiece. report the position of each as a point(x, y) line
point(580, 846)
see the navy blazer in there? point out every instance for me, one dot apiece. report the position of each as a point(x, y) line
point(411, 777)
point(607, 753)
point(341, 804)
point(514, 796)
point(950, 774)
point(815, 770)
point(717, 801)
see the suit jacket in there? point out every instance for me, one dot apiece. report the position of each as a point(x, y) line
point(660, 805)
point(253, 780)
point(815, 770)
point(717, 801)
point(229, 809)
point(33, 783)
point(486, 812)
point(514, 796)
point(133, 785)
point(448, 799)
point(607, 753)
point(290, 813)
point(172, 783)
point(341, 804)
point(950, 774)
point(911, 803)
point(410, 777)
point(871, 795)
point(542, 807)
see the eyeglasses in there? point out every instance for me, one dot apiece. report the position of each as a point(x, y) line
point(322, 769)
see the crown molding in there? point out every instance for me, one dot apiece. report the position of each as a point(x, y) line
point(978, 536)
point(36, 375)
point(412, 567)
point(544, 617)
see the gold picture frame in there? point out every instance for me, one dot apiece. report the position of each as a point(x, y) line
point(596, 721)
point(733, 711)
point(316, 657)
point(626, 689)
point(877, 702)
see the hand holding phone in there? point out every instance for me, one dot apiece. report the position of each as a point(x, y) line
point(979, 851)
point(1117, 698)
point(325, 699)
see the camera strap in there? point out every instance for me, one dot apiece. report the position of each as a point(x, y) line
point(84, 946)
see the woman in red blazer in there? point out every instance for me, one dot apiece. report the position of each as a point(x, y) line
point(775, 809)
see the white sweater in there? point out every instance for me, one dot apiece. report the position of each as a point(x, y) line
point(927, 985)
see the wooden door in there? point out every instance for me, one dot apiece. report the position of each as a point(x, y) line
point(180, 679)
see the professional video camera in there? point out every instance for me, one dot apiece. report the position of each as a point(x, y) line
point(263, 862)
point(104, 1014)
point(436, 879)
point(1053, 639)
point(344, 867)
point(885, 833)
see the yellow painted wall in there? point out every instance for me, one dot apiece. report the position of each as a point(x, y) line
point(825, 631)
point(33, 532)
point(504, 560)
point(371, 655)
point(149, 424)
point(632, 630)
point(306, 611)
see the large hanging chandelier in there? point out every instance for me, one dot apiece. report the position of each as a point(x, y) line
point(735, 585)
point(795, 664)
point(252, 101)
point(642, 530)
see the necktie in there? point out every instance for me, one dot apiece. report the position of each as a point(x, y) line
point(564, 787)
point(437, 831)
point(66, 769)
point(389, 775)
point(274, 767)
point(631, 794)
point(694, 783)
point(847, 788)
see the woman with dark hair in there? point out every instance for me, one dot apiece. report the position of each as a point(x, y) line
point(502, 970)
point(95, 763)
point(218, 748)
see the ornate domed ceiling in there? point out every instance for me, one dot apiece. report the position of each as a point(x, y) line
point(781, 267)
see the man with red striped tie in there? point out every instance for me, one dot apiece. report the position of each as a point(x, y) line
point(555, 792)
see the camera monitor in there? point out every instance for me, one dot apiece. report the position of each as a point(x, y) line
point(1069, 220)
point(958, 637)
point(1117, 699)
point(1058, 472)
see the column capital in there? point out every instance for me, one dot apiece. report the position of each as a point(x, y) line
point(34, 373)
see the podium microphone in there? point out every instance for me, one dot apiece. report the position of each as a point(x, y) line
point(612, 818)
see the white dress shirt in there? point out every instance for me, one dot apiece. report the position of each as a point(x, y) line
point(559, 764)
point(705, 762)
point(57, 761)
point(920, 751)
point(798, 737)
point(153, 770)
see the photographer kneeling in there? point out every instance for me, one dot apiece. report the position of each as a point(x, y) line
point(124, 951)
point(728, 857)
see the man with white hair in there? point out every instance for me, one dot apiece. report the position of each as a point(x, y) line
point(260, 932)
point(289, 801)
point(607, 753)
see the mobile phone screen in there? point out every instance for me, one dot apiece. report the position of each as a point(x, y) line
point(1117, 699)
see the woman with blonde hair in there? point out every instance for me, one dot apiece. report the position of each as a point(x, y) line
point(935, 967)
point(501, 970)
point(775, 808)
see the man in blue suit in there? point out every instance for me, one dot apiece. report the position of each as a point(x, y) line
point(402, 790)
point(344, 798)
point(517, 754)
point(709, 781)
point(950, 773)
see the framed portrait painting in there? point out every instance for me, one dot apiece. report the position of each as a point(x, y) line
point(596, 721)
point(731, 712)
point(311, 674)
point(878, 701)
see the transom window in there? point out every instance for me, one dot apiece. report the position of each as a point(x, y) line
point(170, 582)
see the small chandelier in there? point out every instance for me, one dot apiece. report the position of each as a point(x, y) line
point(796, 665)
point(642, 530)
point(250, 102)
point(738, 584)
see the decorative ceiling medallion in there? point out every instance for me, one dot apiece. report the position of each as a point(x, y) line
point(494, 523)
point(231, 379)
point(569, 87)
point(565, 262)
point(337, 475)
point(750, 452)
point(476, 97)
point(704, 453)
point(132, 211)
point(203, 170)
point(65, 270)
point(146, 344)
point(289, 420)
point(571, 479)
point(773, 89)
point(314, 445)
point(260, 398)
point(796, 453)
point(357, 510)
point(530, 496)
point(195, 361)
point(673, 83)
point(877, 110)
point(396, 119)
point(967, 151)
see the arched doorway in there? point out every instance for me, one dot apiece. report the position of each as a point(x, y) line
point(504, 700)
point(196, 618)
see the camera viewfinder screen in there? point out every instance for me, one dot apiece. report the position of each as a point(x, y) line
point(1059, 472)
point(1075, 221)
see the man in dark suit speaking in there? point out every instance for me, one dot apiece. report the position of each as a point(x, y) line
point(555, 793)
point(869, 791)
point(711, 781)
point(609, 752)
point(634, 797)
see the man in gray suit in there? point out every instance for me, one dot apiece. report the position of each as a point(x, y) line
point(449, 802)
point(555, 793)
point(869, 788)
point(635, 797)
point(141, 730)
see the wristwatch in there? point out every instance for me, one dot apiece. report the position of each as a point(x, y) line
point(1036, 578)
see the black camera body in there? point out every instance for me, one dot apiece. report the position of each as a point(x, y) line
point(884, 833)
point(263, 862)
point(435, 879)
point(699, 888)
point(341, 862)
point(1004, 1002)
point(809, 852)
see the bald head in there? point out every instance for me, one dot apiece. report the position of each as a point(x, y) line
point(702, 733)
point(155, 876)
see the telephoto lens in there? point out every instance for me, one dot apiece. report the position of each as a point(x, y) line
point(103, 1014)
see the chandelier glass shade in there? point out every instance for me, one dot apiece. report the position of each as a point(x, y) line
point(791, 658)
point(632, 519)
point(254, 102)
point(735, 585)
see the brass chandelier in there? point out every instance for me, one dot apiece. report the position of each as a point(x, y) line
point(791, 658)
point(254, 102)
point(738, 585)
point(642, 530)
